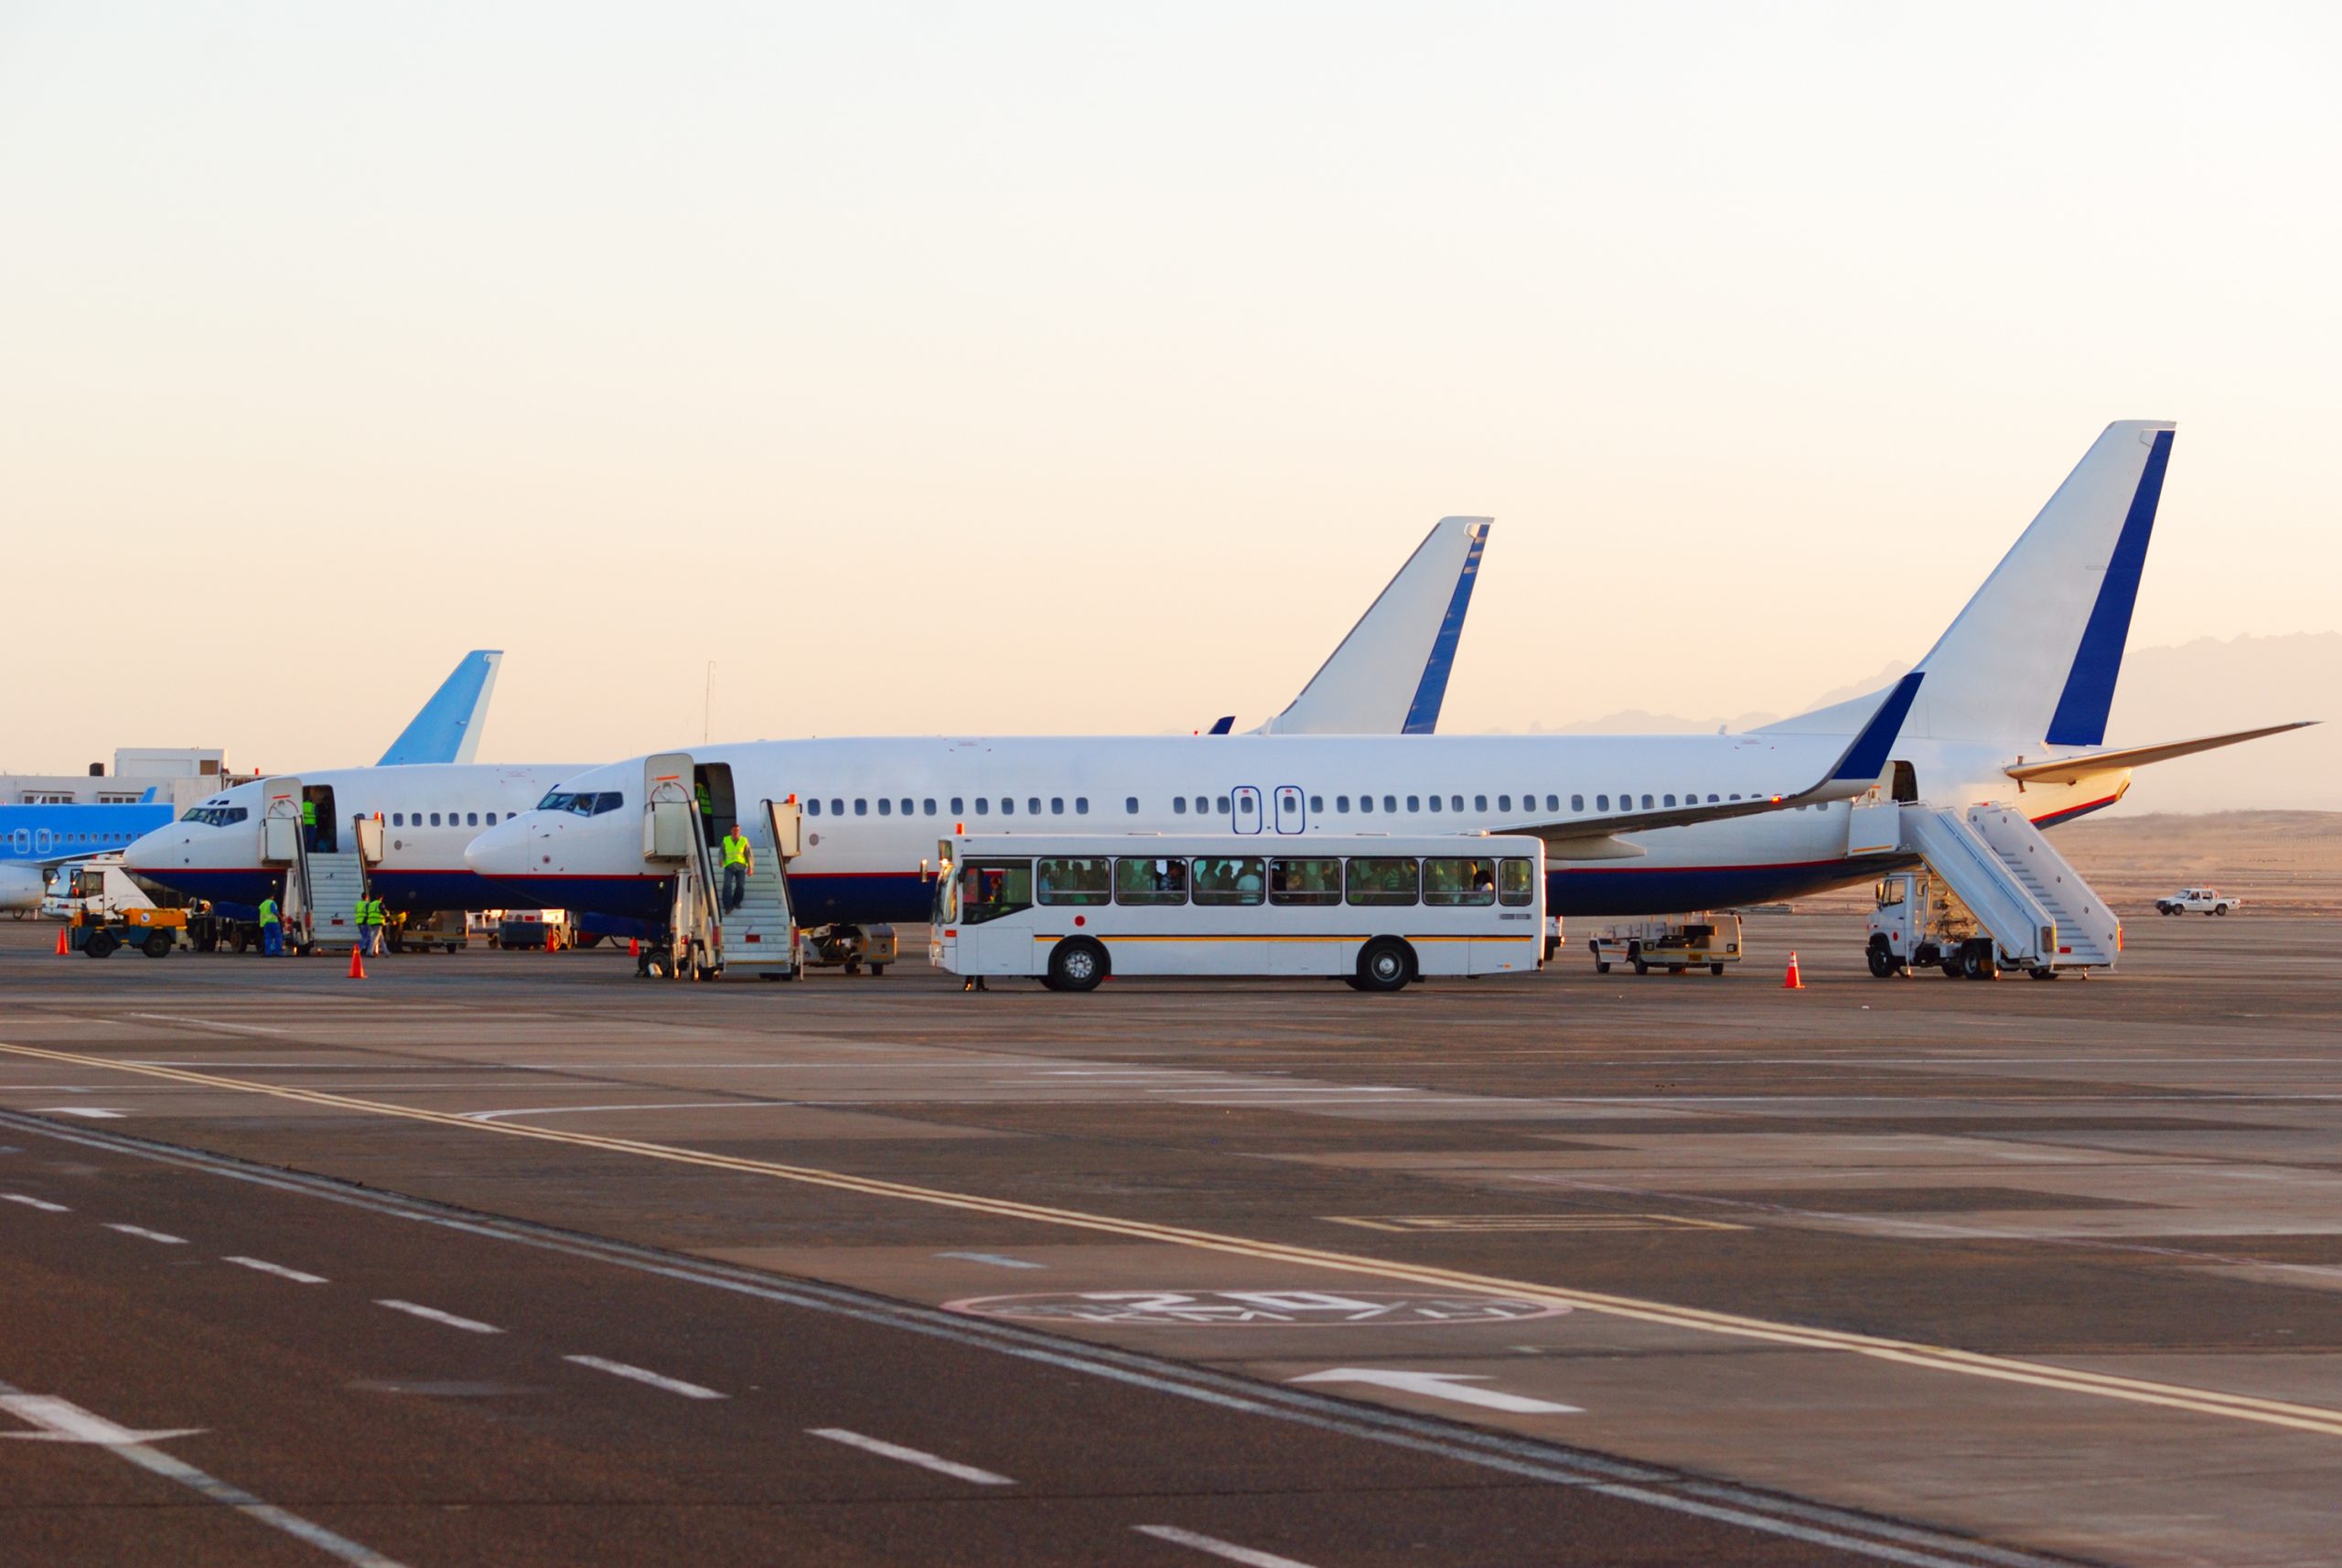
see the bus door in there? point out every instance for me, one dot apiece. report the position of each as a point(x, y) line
point(1293, 814)
point(1245, 802)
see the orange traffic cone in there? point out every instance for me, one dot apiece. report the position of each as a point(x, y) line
point(1795, 981)
point(634, 946)
point(356, 964)
point(61, 948)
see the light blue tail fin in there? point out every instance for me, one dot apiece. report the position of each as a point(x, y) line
point(447, 729)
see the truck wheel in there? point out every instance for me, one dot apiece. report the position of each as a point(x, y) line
point(1716, 968)
point(1384, 964)
point(1882, 962)
point(1078, 964)
point(157, 945)
point(100, 944)
point(1674, 968)
point(1641, 968)
point(2043, 973)
point(2220, 908)
point(1978, 962)
point(1951, 965)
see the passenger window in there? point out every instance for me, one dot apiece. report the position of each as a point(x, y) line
point(1086, 879)
point(492, 819)
point(1460, 881)
point(983, 807)
point(1711, 799)
point(1222, 806)
point(435, 819)
point(837, 807)
point(1553, 802)
point(1455, 803)
point(1504, 802)
point(471, 819)
point(398, 818)
point(1179, 805)
point(1517, 882)
point(1366, 804)
point(1312, 881)
point(1645, 803)
point(1602, 802)
point(1435, 804)
point(1317, 804)
point(927, 806)
point(1342, 804)
point(1007, 805)
point(1081, 805)
point(1150, 882)
point(1033, 806)
point(1577, 803)
point(1670, 800)
point(1381, 880)
point(886, 807)
point(1390, 802)
point(1057, 805)
point(958, 805)
point(861, 807)
point(1229, 879)
point(813, 806)
point(1130, 805)
point(907, 805)
point(991, 888)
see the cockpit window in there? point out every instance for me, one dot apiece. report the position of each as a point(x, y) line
point(215, 816)
point(582, 802)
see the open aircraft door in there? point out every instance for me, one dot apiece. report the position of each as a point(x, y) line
point(280, 821)
point(668, 806)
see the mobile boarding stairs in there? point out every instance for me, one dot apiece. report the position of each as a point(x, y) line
point(2022, 896)
point(325, 874)
point(705, 941)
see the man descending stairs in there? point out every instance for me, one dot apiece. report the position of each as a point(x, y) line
point(757, 929)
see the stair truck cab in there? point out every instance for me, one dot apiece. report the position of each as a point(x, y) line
point(1376, 912)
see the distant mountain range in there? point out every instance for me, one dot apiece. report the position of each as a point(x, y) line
point(2165, 693)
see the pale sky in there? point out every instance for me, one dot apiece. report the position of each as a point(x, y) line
point(1088, 368)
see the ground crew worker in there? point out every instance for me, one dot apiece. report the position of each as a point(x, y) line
point(736, 866)
point(369, 927)
point(308, 824)
point(272, 930)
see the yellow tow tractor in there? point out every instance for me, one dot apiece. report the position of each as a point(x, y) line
point(101, 919)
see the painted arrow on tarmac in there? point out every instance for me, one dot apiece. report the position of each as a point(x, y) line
point(62, 1421)
point(1453, 1386)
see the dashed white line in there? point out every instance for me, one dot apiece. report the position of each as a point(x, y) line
point(469, 1325)
point(31, 1202)
point(86, 1112)
point(166, 1238)
point(911, 1456)
point(279, 1270)
point(1252, 1557)
point(998, 1260)
point(673, 1385)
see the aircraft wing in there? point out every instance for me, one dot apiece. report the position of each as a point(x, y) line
point(2082, 765)
point(1856, 769)
point(448, 728)
point(1388, 675)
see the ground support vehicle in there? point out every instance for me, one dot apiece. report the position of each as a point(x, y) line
point(851, 948)
point(2198, 900)
point(1376, 912)
point(1672, 943)
point(154, 932)
point(1917, 921)
point(545, 928)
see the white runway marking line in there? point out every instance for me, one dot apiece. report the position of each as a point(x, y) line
point(673, 1385)
point(279, 1270)
point(62, 1421)
point(662, 1105)
point(31, 1202)
point(996, 1260)
point(211, 1023)
point(1250, 1556)
point(164, 1237)
point(86, 1112)
point(469, 1325)
point(911, 1456)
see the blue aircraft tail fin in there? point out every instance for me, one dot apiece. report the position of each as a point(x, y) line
point(448, 728)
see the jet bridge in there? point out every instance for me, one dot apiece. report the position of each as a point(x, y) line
point(2031, 906)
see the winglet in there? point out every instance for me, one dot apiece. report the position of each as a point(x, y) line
point(1866, 760)
point(1222, 725)
point(447, 727)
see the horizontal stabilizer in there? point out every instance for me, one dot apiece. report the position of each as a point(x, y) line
point(1389, 676)
point(1857, 768)
point(448, 726)
point(2083, 765)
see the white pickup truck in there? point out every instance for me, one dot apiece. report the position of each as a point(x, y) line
point(2209, 900)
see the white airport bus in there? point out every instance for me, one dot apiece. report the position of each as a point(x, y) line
point(1372, 910)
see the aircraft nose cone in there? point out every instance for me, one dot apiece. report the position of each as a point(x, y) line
point(491, 852)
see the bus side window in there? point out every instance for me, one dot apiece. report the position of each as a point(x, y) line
point(991, 888)
point(1517, 882)
point(1150, 881)
point(1382, 880)
point(1457, 881)
point(1310, 881)
point(1229, 879)
point(1074, 880)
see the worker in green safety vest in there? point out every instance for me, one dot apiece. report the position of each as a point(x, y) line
point(308, 824)
point(736, 866)
point(369, 927)
point(272, 930)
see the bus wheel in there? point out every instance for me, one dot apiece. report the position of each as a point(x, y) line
point(1384, 964)
point(1076, 963)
